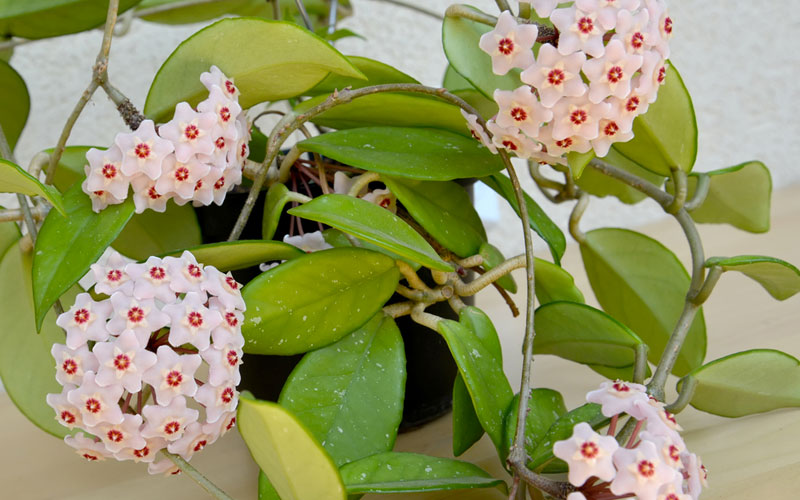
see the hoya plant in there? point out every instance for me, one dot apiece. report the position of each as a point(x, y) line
point(138, 275)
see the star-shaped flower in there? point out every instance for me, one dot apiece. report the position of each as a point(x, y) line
point(205, 192)
point(229, 330)
point(143, 151)
point(168, 422)
point(190, 132)
point(104, 172)
point(587, 454)
point(607, 10)
point(509, 44)
point(510, 139)
point(632, 31)
point(67, 414)
point(89, 449)
point(151, 280)
point(147, 197)
point(123, 361)
point(555, 76)
point(672, 492)
point(609, 133)
point(612, 73)
point(216, 77)
point(191, 321)
point(173, 375)
point(97, 404)
point(146, 453)
point(543, 9)
point(72, 364)
point(217, 400)
point(108, 274)
point(654, 72)
point(193, 440)
point(623, 111)
point(477, 131)
point(223, 364)
point(185, 273)
point(180, 178)
point(383, 198)
point(117, 437)
point(578, 30)
point(520, 108)
point(557, 148)
point(220, 427)
point(85, 321)
point(671, 447)
point(224, 287)
point(141, 316)
point(617, 397)
point(696, 474)
point(100, 199)
point(164, 467)
point(575, 116)
point(225, 109)
point(641, 471)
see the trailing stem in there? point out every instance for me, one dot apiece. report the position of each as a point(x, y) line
point(199, 478)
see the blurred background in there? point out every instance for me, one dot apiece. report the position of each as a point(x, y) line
point(739, 59)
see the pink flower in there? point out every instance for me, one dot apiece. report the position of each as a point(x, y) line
point(96, 404)
point(696, 474)
point(512, 140)
point(383, 198)
point(641, 471)
point(85, 321)
point(225, 288)
point(672, 492)
point(229, 330)
point(509, 44)
point(89, 449)
point(612, 73)
point(671, 448)
point(215, 77)
point(100, 199)
point(191, 321)
point(117, 437)
point(143, 151)
point(632, 31)
point(146, 196)
point(654, 72)
point(168, 422)
point(520, 108)
point(123, 361)
point(609, 133)
point(223, 364)
point(543, 9)
point(225, 109)
point(607, 10)
point(190, 132)
point(623, 111)
point(180, 178)
point(192, 441)
point(219, 428)
point(205, 191)
point(109, 274)
point(104, 172)
point(173, 375)
point(141, 316)
point(72, 364)
point(185, 273)
point(164, 467)
point(67, 414)
point(557, 148)
point(555, 76)
point(478, 133)
point(217, 400)
point(576, 495)
point(579, 30)
point(146, 453)
point(575, 116)
point(617, 397)
point(587, 454)
point(151, 280)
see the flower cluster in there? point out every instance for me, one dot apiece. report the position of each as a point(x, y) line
point(197, 156)
point(653, 465)
point(132, 364)
point(584, 91)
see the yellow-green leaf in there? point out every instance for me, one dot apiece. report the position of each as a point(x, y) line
point(14, 179)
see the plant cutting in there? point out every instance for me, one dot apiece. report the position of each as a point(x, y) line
point(128, 344)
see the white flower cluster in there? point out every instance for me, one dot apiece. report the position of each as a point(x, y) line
point(654, 464)
point(583, 91)
point(132, 364)
point(197, 156)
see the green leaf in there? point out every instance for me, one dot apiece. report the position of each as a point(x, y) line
point(389, 109)
point(545, 406)
point(583, 334)
point(294, 462)
point(67, 246)
point(747, 382)
point(738, 195)
point(444, 210)
point(493, 258)
point(642, 284)
point(153, 233)
point(486, 108)
point(540, 222)
point(13, 179)
point(600, 185)
point(265, 489)
point(467, 428)
point(394, 472)
point(259, 74)
point(412, 153)
point(350, 393)
point(778, 277)
point(578, 161)
point(377, 73)
point(338, 239)
point(541, 457)
point(48, 18)
point(233, 255)
point(482, 373)
point(277, 198)
point(15, 103)
point(666, 135)
point(460, 39)
point(27, 369)
point(453, 81)
point(315, 299)
point(70, 167)
point(372, 223)
point(554, 283)
point(199, 12)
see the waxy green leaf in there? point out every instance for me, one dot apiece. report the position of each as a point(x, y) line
point(666, 135)
point(337, 239)
point(296, 465)
point(372, 223)
point(265, 489)
point(600, 185)
point(277, 198)
point(778, 277)
point(642, 284)
point(460, 39)
point(67, 246)
point(199, 12)
point(545, 406)
point(444, 210)
point(738, 195)
point(540, 222)
point(260, 75)
point(578, 161)
point(412, 153)
point(15, 103)
point(13, 179)
point(315, 299)
point(233, 255)
point(747, 382)
point(377, 73)
point(27, 369)
point(493, 258)
point(394, 472)
point(350, 393)
point(48, 18)
point(541, 458)
point(554, 283)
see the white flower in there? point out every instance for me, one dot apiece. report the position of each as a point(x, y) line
point(67, 414)
point(632, 31)
point(146, 453)
point(146, 196)
point(609, 133)
point(180, 178)
point(96, 404)
point(575, 116)
point(509, 44)
point(123, 361)
point(151, 280)
point(215, 77)
point(612, 73)
point(556, 148)
point(89, 449)
point(617, 397)
point(219, 428)
point(576, 495)
point(555, 76)
point(671, 448)
point(141, 316)
point(512, 140)
point(100, 199)
point(228, 331)
point(192, 441)
point(578, 30)
point(543, 9)
point(192, 322)
point(641, 471)
point(109, 274)
point(672, 492)
point(520, 108)
point(185, 273)
point(173, 375)
point(383, 198)
point(309, 242)
point(217, 400)
point(696, 474)
point(72, 364)
point(104, 172)
point(143, 150)
point(165, 467)
point(652, 77)
point(189, 132)
point(607, 10)
point(225, 109)
point(85, 321)
point(117, 437)
point(223, 364)
point(587, 454)
point(478, 133)
point(168, 422)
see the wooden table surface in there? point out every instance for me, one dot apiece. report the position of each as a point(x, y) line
point(751, 458)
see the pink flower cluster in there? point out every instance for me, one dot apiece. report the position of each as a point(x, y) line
point(197, 156)
point(132, 364)
point(584, 91)
point(653, 465)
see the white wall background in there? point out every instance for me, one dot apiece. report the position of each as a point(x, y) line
point(740, 60)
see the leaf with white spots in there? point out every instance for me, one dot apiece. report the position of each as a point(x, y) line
point(315, 299)
point(350, 393)
point(394, 472)
point(296, 465)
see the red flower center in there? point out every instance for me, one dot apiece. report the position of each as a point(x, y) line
point(564, 143)
point(135, 314)
point(198, 184)
point(152, 193)
point(194, 271)
point(611, 129)
point(230, 424)
point(556, 77)
point(195, 319)
point(109, 171)
point(69, 366)
point(385, 203)
point(114, 275)
point(585, 25)
point(122, 362)
point(668, 26)
point(67, 417)
point(90, 457)
point(621, 387)
point(191, 132)
point(505, 46)
point(98, 193)
point(510, 145)
point(637, 40)
point(181, 174)
point(243, 151)
point(81, 316)
point(220, 142)
point(231, 283)
point(672, 496)
point(93, 405)
point(578, 117)
point(231, 319)
point(233, 358)
point(220, 183)
point(174, 378)
point(225, 114)
point(519, 114)
point(230, 87)
point(114, 435)
point(674, 453)
point(662, 74)
point(200, 445)
point(589, 450)
point(632, 104)
point(614, 74)
point(646, 468)
point(227, 395)
point(142, 150)
point(158, 273)
point(141, 453)
point(172, 427)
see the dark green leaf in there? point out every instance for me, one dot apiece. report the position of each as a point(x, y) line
point(412, 153)
point(14, 101)
point(539, 220)
point(233, 255)
point(467, 429)
point(67, 246)
point(561, 429)
point(337, 239)
point(315, 299)
point(350, 393)
point(394, 472)
point(287, 453)
point(277, 198)
point(260, 75)
point(377, 73)
point(642, 284)
point(13, 179)
point(545, 406)
point(666, 135)
point(747, 382)
point(372, 223)
point(600, 185)
point(778, 277)
point(444, 210)
point(48, 18)
point(460, 39)
point(491, 259)
point(389, 109)
point(554, 283)
point(265, 489)
point(196, 12)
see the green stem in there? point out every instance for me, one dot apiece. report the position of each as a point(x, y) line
point(640, 363)
point(199, 478)
point(524, 10)
point(671, 351)
point(700, 192)
point(688, 385)
point(304, 14)
point(575, 218)
point(679, 179)
point(415, 8)
point(465, 12)
point(159, 9)
point(490, 276)
point(502, 5)
point(27, 215)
